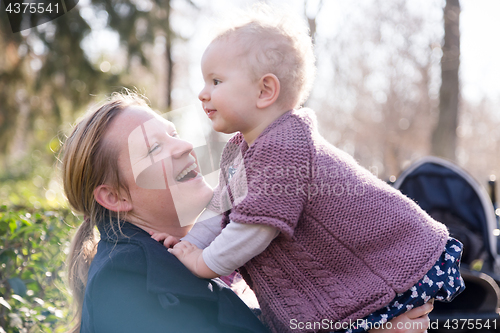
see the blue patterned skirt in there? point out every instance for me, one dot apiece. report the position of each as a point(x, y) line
point(442, 282)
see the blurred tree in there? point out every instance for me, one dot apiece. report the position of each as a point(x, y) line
point(141, 23)
point(311, 19)
point(478, 138)
point(444, 137)
point(383, 69)
point(47, 75)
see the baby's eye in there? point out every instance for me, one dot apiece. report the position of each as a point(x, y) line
point(217, 82)
point(175, 135)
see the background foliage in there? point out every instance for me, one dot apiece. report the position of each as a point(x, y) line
point(48, 76)
point(376, 96)
point(33, 248)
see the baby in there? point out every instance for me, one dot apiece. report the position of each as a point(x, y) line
point(316, 236)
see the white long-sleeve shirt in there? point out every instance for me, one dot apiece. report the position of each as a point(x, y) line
point(225, 250)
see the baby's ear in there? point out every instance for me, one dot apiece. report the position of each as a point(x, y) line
point(269, 85)
point(109, 198)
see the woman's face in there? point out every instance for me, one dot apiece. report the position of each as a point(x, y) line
point(166, 187)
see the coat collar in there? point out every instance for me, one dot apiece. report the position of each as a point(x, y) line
point(160, 280)
point(159, 262)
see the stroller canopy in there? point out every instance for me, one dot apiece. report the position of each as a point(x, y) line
point(443, 189)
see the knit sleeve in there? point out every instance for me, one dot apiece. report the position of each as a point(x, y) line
point(277, 171)
point(218, 199)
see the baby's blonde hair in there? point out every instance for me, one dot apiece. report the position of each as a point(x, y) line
point(277, 42)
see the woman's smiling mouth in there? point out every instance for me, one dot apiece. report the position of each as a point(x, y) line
point(187, 173)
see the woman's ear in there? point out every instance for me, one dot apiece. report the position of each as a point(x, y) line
point(269, 90)
point(110, 199)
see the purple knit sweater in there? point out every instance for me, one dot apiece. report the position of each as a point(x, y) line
point(349, 242)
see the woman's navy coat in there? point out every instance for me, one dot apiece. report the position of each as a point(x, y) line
point(136, 285)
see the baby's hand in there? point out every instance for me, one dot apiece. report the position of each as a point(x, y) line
point(192, 258)
point(167, 240)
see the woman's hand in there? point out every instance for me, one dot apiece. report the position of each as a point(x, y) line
point(413, 321)
point(192, 258)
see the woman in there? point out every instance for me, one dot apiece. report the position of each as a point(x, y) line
point(127, 282)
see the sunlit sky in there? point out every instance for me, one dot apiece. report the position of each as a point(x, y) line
point(479, 25)
point(480, 66)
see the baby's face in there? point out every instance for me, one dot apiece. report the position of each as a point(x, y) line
point(230, 94)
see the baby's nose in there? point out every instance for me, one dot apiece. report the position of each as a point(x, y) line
point(204, 95)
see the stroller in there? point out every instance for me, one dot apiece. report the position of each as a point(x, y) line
point(450, 195)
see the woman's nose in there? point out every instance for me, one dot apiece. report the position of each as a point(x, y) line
point(204, 95)
point(181, 147)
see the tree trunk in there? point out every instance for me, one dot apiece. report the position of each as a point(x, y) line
point(444, 135)
point(312, 20)
point(168, 54)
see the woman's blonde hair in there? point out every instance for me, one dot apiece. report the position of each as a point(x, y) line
point(88, 162)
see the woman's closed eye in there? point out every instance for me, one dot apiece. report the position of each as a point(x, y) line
point(153, 148)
